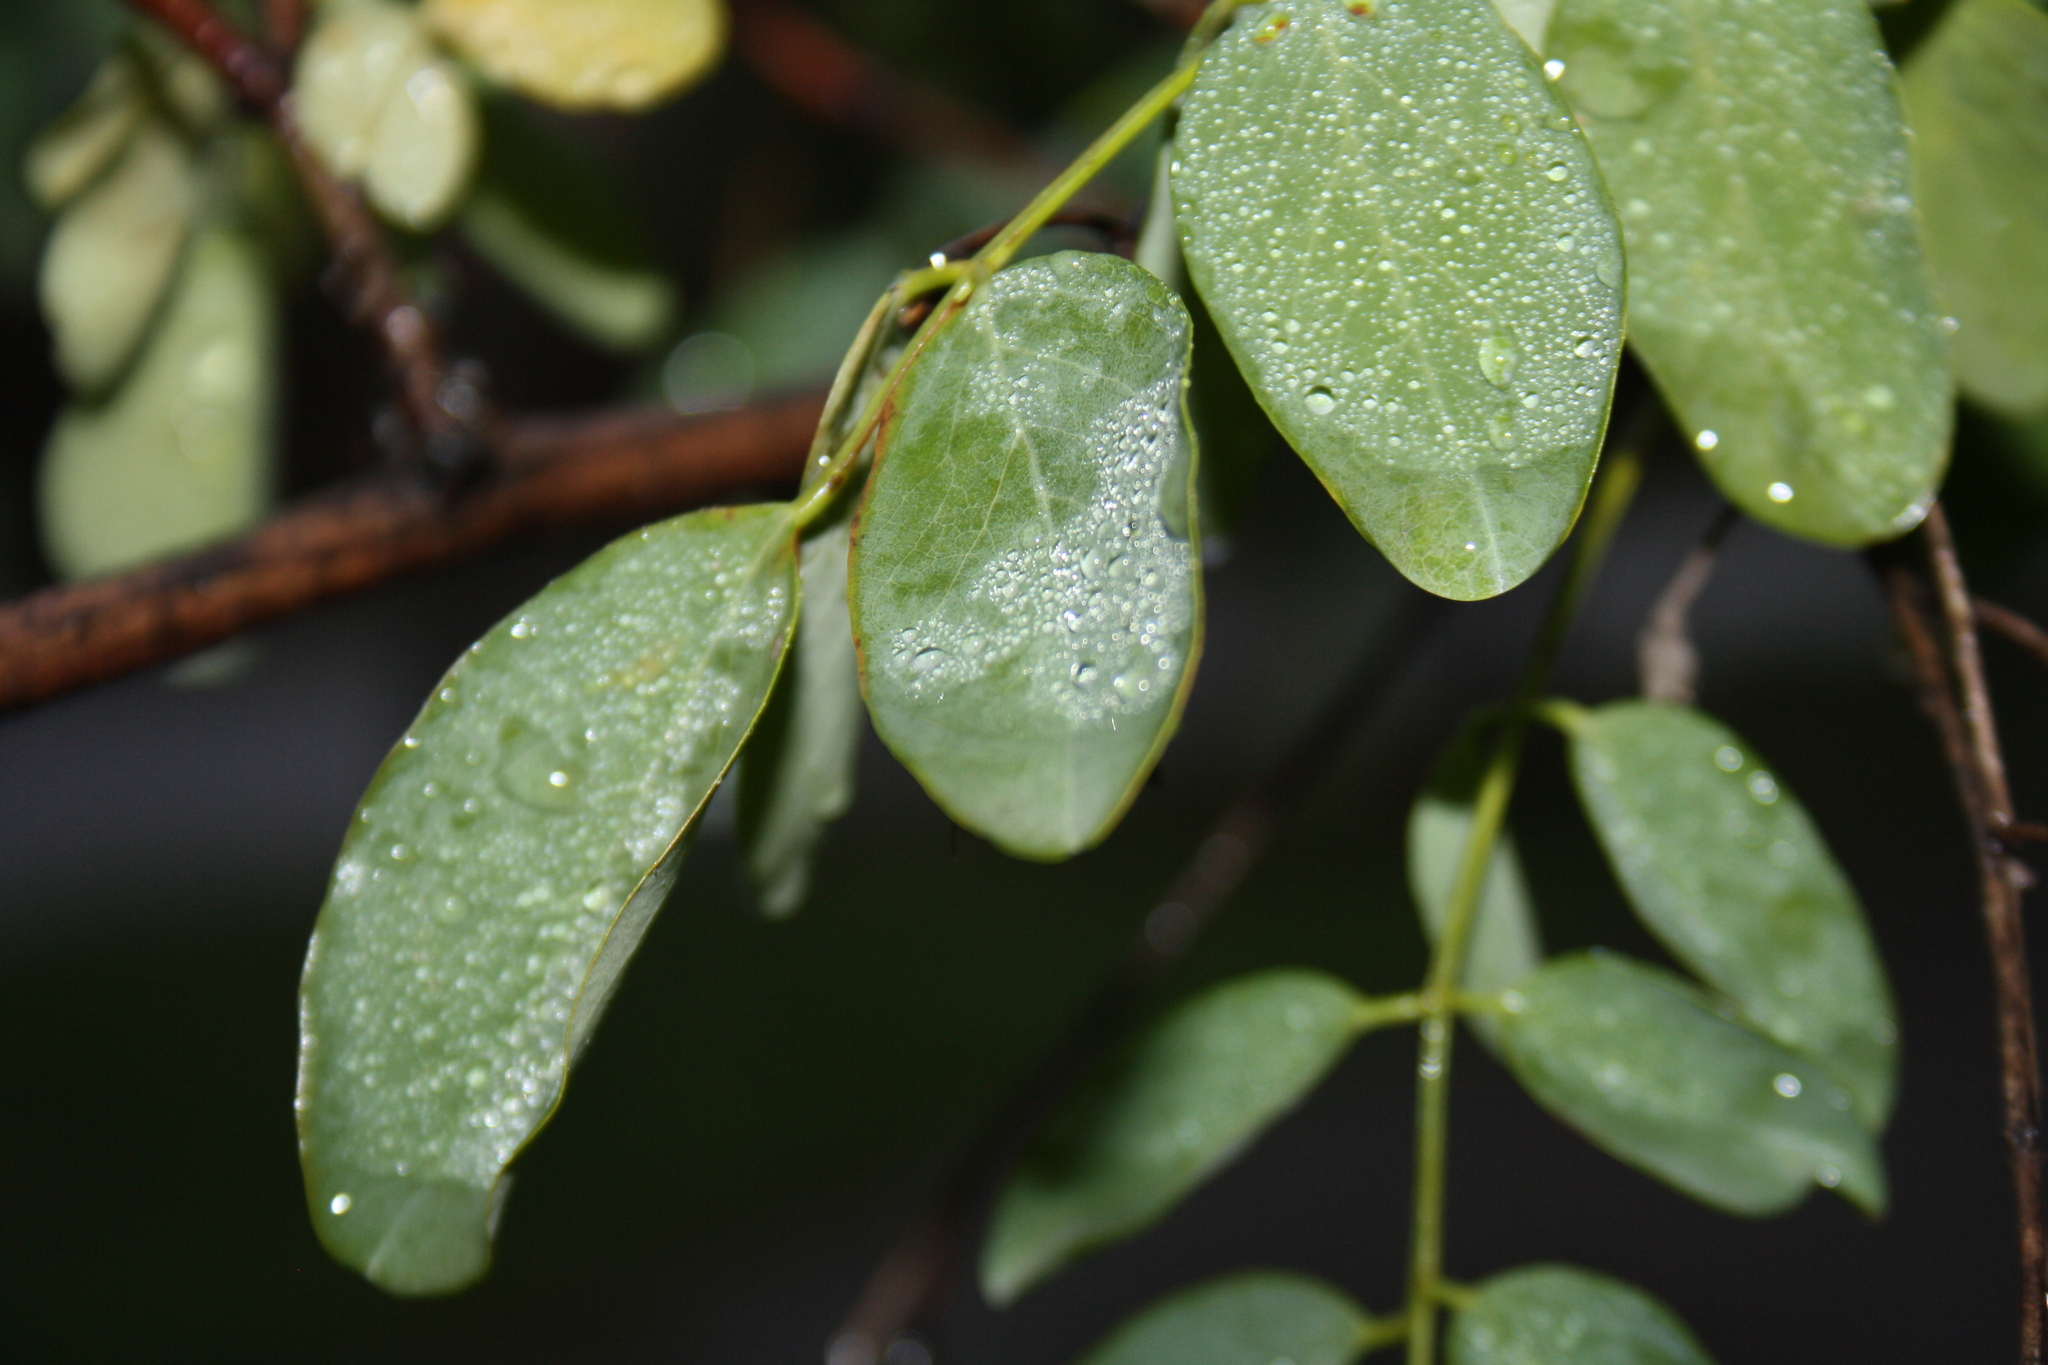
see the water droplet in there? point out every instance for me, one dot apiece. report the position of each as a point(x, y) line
point(1786, 1084)
point(1828, 1176)
point(340, 1204)
point(1553, 68)
point(1085, 674)
point(1567, 242)
point(1879, 396)
point(1728, 758)
point(1779, 492)
point(1707, 440)
point(1557, 171)
point(1763, 788)
point(925, 660)
point(1319, 400)
point(412, 741)
point(538, 770)
point(1497, 357)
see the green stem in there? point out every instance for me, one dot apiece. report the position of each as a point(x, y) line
point(1619, 474)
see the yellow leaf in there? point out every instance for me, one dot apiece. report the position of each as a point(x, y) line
point(592, 54)
point(70, 154)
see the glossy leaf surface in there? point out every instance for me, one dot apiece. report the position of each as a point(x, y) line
point(502, 868)
point(113, 254)
point(1026, 586)
point(545, 218)
point(796, 777)
point(1146, 1128)
point(179, 454)
point(1976, 93)
point(1255, 1318)
point(1530, 19)
point(1505, 945)
point(1402, 236)
point(1724, 866)
point(589, 54)
point(69, 154)
point(380, 106)
point(1777, 290)
point(1640, 1062)
point(1560, 1315)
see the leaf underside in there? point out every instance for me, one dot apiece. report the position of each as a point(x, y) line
point(504, 863)
point(1723, 865)
point(1255, 1318)
point(1144, 1130)
point(1402, 236)
point(1642, 1064)
point(1560, 1315)
point(1026, 585)
point(1777, 291)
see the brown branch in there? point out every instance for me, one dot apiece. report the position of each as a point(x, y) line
point(920, 1264)
point(284, 26)
point(609, 467)
point(446, 412)
point(1666, 662)
point(2013, 626)
point(1959, 703)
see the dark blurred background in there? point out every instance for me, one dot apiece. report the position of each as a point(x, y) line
point(768, 1103)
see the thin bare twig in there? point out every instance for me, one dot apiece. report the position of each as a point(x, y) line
point(2013, 626)
point(446, 412)
point(1953, 692)
point(608, 467)
point(921, 1263)
point(284, 27)
point(1666, 662)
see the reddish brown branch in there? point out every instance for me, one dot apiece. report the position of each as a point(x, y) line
point(1954, 694)
point(364, 274)
point(610, 467)
point(2013, 626)
point(1667, 665)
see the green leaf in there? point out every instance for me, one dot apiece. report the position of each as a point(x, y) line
point(1026, 585)
point(796, 777)
point(1976, 94)
point(1530, 19)
point(378, 105)
point(1146, 1128)
point(1723, 865)
point(502, 868)
point(70, 154)
point(1259, 1317)
point(1643, 1065)
point(179, 454)
point(1505, 945)
point(544, 217)
point(112, 255)
point(1777, 291)
point(1402, 236)
point(1560, 1315)
point(592, 54)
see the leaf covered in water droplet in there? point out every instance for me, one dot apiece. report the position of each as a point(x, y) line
point(179, 454)
point(1026, 584)
point(796, 776)
point(1642, 1064)
point(1561, 1315)
point(379, 105)
point(1403, 239)
point(1723, 865)
point(1258, 1317)
point(1976, 93)
point(1777, 290)
point(502, 868)
point(1505, 945)
point(1150, 1125)
point(592, 54)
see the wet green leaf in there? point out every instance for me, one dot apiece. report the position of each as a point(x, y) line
point(1723, 865)
point(1505, 945)
point(1530, 19)
point(504, 864)
point(545, 218)
point(178, 454)
point(1976, 93)
point(1640, 1062)
point(1146, 1128)
point(1777, 290)
point(1259, 1317)
point(1026, 586)
point(378, 105)
point(1402, 237)
point(796, 777)
point(592, 54)
point(70, 154)
point(1560, 1315)
point(112, 255)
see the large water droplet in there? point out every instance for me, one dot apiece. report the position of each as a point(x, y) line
point(538, 770)
point(1497, 357)
point(1319, 400)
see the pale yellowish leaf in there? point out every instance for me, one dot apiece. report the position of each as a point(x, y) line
point(594, 54)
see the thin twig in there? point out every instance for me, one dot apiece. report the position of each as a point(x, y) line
point(2013, 626)
point(920, 1264)
point(1960, 706)
point(284, 27)
point(1666, 662)
point(614, 466)
point(446, 413)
